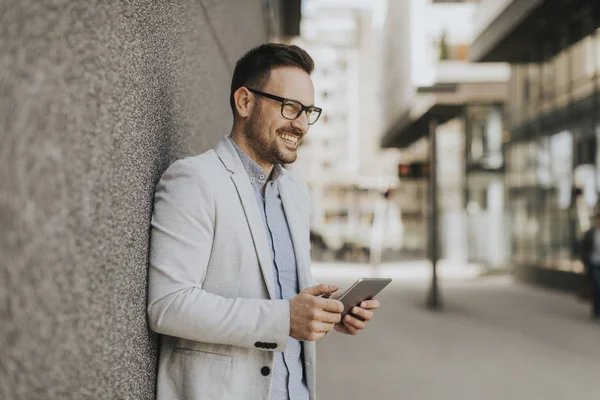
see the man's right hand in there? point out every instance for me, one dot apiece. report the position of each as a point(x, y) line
point(311, 317)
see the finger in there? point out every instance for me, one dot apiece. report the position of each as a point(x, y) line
point(370, 304)
point(352, 330)
point(366, 315)
point(341, 328)
point(330, 305)
point(323, 327)
point(329, 317)
point(350, 321)
point(316, 336)
point(321, 289)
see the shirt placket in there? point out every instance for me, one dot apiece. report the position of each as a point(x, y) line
point(276, 226)
point(269, 204)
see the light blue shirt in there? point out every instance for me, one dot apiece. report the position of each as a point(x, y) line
point(289, 382)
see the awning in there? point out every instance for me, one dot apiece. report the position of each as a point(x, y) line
point(442, 102)
point(409, 129)
point(535, 30)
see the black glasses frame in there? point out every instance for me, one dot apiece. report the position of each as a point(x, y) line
point(283, 101)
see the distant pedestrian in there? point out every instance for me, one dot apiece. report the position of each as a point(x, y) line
point(590, 255)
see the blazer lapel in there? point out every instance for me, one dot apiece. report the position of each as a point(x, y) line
point(299, 231)
point(242, 184)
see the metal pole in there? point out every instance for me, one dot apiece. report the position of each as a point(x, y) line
point(433, 297)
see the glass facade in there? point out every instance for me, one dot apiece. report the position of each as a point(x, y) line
point(488, 240)
point(552, 159)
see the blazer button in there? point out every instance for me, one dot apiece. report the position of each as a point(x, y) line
point(265, 371)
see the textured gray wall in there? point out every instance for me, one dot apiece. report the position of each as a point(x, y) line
point(96, 99)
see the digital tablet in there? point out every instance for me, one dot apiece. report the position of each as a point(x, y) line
point(362, 289)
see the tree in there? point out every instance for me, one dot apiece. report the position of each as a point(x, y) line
point(444, 51)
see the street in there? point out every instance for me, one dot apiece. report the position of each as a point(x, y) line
point(494, 339)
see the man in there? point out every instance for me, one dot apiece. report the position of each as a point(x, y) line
point(590, 255)
point(230, 289)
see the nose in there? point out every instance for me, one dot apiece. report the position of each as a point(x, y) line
point(301, 123)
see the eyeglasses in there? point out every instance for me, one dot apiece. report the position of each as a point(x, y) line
point(292, 109)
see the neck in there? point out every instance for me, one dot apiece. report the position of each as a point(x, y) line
point(240, 139)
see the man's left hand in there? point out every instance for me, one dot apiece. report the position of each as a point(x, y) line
point(351, 325)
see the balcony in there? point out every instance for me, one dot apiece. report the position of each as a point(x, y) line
point(461, 72)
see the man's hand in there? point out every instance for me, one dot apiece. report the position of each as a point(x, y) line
point(311, 317)
point(352, 325)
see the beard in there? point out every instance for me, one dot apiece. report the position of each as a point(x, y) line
point(266, 146)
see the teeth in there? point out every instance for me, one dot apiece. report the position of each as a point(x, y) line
point(289, 138)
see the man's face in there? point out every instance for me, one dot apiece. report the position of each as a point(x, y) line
point(273, 138)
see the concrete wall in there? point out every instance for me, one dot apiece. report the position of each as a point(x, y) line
point(96, 100)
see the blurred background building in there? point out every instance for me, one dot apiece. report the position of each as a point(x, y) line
point(340, 158)
point(432, 81)
point(552, 123)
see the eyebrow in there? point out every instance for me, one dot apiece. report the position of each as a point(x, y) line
point(289, 98)
point(312, 105)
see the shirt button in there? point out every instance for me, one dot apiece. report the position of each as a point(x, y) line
point(265, 371)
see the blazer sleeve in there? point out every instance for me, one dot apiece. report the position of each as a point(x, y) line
point(181, 240)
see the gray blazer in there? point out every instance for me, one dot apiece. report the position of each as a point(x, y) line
point(211, 292)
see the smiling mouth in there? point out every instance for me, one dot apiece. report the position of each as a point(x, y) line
point(291, 139)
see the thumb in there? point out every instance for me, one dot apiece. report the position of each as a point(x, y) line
point(321, 289)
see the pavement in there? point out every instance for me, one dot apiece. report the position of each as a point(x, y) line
point(494, 339)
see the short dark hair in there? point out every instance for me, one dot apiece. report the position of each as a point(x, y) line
point(254, 67)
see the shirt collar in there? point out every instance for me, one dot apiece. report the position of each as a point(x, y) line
point(256, 173)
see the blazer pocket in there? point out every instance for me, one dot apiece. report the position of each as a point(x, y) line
point(203, 354)
point(206, 376)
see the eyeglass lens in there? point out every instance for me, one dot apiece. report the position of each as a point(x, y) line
point(291, 110)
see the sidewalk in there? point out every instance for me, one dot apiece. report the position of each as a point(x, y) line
point(495, 339)
point(406, 271)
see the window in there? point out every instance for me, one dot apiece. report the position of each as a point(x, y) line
point(544, 206)
point(485, 136)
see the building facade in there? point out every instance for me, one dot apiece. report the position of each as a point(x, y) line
point(340, 158)
point(433, 82)
point(552, 119)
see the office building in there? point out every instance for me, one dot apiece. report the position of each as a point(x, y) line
point(552, 120)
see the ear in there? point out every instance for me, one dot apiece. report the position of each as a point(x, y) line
point(244, 101)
